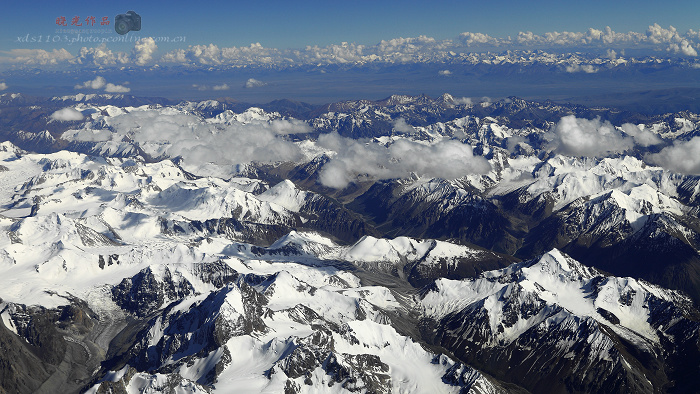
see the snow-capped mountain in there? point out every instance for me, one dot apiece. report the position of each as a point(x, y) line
point(202, 247)
point(556, 325)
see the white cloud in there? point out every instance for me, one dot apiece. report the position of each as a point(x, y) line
point(143, 50)
point(67, 114)
point(223, 86)
point(591, 37)
point(586, 68)
point(141, 54)
point(99, 83)
point(199, 142)
point(3, 86)
point(447, 159)
point(641, 135)
point(658, 35)
point(101, 56)
point(112, 88)
point(400, 125)
point(583, 137)
point(683, 47)
point(424, 48)
point(445, 73)
point(410, 45)
point(463, 100)
point(35, 57)
point(254, 83)
point(470, 39)
point(682, 156)
point(213, 55)
point(464, 47)
point(291, 126)
point(358, 160)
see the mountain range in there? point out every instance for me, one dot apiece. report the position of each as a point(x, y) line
point(411, 244)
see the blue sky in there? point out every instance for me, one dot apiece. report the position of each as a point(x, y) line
point(423, 51)
point(295, 24)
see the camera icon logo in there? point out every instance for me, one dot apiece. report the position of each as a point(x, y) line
point(124, 23)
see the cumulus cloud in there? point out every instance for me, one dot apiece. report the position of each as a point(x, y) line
point(112, 88)
point(223, 86)
point(586, 68)
point(641, 135)
point(445, 73)
point(254, 83)
point(99, 83)
point(358, 160)
point(463, 100)
point(591, 37)
point(682, 156)
point(465, 47)
point(514, 141)
point(288, 126)
point(471, 39)
point(683, 47)
point(199, 142)
point(411, 45)
point(101, 56)
point(143, 50)
point(35, 57)
point(658, 35)
point(400, 125)
point(334, 54)
point(3, 86)
point(67, 114)
point(405, 49)
point(141, 54)
point(583, 137)
point(213, 55)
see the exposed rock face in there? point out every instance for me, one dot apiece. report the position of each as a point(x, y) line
point(553, 325)
point(144, 293)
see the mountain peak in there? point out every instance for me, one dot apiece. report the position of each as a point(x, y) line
point(557, 264)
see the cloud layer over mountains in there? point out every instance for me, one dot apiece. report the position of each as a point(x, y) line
point(198, 142)
point(255, 136)
point(448, 159)
point(682, 156)
point(412, 49)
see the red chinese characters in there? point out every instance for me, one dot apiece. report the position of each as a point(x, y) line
point(75, 21)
